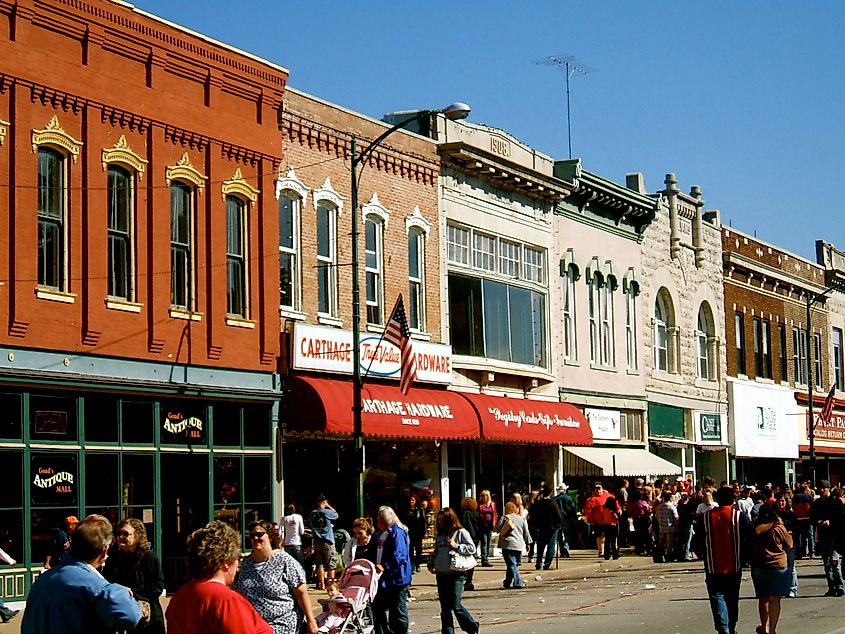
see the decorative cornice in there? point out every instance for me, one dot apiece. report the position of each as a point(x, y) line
point(375, 208)
point(122, 153)
point(291, 182)
point(54, 134)
point(418, 221)
point(327, 192)
point(4, 128)
point(238, 186)
point(185, 171)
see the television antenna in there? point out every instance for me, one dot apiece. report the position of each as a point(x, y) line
point(569, 66)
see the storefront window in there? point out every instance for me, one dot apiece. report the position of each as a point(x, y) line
point(183, 423)
point(257, 426)
point(101, 480)
point(227, 425)
point(52, 418)
point(397, 470)
point(11, 503)
point(53, 493)
point(138, 480)
point(101, 419)
point(227, 490)
point(137, 423)
point(10, 416)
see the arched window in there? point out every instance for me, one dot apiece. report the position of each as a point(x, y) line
point(374, 268)
point(326, 259)
point(664, 322)
point(236, 257)
point(121, 210)
point(416, 279)
point(570, 325)
point(704, 335)
point(290, 209)
point(631, 320)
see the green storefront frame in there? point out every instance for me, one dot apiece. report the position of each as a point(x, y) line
point(666, 421)
point(82, 451)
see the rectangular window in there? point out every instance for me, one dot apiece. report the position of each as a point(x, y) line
point(416, 280)
point(631, 425)
point(594, 302)
point(52, 218)
point(236, 256)
point(784, 362)
point(631, 329)
point(817, 358)
point(661, 346)
point(762, 349)
point(703, 351)
point(457, 245)
point(799, 355)
point(509, 258)
point(608, 348)
point(181, 245)
point(373, 270)
point(484, 252)
point(120, 195)
point(326, 254)
point(534, 265)
point(570, 349)
point(289, 210)
point(497, 320)
point(739, 338)
point(838, 370)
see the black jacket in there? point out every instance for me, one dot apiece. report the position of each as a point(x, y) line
point(141, 572)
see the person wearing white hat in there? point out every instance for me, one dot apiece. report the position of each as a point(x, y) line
point(570, 516)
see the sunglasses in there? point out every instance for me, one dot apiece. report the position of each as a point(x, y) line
point(124, 534)
point(257, 535)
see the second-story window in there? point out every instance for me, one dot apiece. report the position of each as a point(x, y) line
point(416, 279)
point(662, 323)
point(704, 335)
point(631, 326)
point(52, 218)
point(784, 359)
point(838, 365)
point(182, 246)
point(570, 347)
point(608, 342)
point(762, 349)
point(594, 309)
point(327, 259)
point(373, 268)
point(290, 206)
point(817, 358)
point(739, 342)
point(121, 206)
point(236, 269)
point(799, 355)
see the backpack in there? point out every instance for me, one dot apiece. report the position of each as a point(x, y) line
point(317, 521)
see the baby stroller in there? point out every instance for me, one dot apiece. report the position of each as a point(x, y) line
point(349, 610)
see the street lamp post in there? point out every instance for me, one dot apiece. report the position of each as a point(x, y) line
point(452, 112)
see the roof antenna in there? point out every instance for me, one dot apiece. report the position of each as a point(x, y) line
point(569, 66)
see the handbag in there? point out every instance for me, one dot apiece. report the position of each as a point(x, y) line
point(460, 562)
point(507, 528)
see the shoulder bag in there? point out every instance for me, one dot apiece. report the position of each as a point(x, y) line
point(458, 561)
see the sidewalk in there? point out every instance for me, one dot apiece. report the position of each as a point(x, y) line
point(583, 563)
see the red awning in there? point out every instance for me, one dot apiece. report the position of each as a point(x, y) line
point(325, 405)
point(525, 420)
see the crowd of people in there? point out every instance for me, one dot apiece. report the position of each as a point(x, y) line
point(100, 578)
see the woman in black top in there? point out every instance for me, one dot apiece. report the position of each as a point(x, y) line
point(471, 521)
point(416, 522)
point(133, 565)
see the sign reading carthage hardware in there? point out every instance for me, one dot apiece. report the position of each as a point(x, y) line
point(330, 350)
point(53, 479)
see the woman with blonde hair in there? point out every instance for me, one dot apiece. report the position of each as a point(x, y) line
point(134, 565)
point(513, 538)
point(489, 519)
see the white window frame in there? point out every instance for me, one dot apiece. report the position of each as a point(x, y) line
point(838, 362)
point(534, 265)
point(458, 241)
point(293, 251)
point(594, 310)
point(608, 343)
point(416, 280)
point(484, 251)
point(661, 337)
point(570, 325)
point(509, 258)
point(374, 269)
point(631, 334)
point(327, 262)
point(242, 257)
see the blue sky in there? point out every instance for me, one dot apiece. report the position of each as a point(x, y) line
point(744, 99)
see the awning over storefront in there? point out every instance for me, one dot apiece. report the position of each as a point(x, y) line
point(525, 420)
point(325, 405)
point(612, 461)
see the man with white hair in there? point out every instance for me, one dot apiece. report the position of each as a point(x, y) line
point(389, 550)
point(570, 516)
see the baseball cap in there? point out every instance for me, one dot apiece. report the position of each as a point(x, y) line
point(824, 484)
point(71, 519)
point(562, 486)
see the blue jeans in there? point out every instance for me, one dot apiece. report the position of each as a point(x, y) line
point(390, 610)
point(683, 541)
point(723, 590)
point(804, 540)
point(512, 560)
point(790, 563)
point(832, 564)
point(485, 546)
point(546, 542)
point(562, 539)
point(450, 588)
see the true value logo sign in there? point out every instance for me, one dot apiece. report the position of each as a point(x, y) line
point(330, 350)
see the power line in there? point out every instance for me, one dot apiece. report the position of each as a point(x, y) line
point(569, 66)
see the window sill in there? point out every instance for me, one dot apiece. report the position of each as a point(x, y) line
point(671, 377)
point(328, 320)
point(375, 328)
point(182, 313)
point(123, 305)
point(573, 362)
point(632, 371)
point(710, 384)
point(55, 295)
point(602, 368)
point(761, 379)
point(289, 313)
point(419, 335)
point(239, 322)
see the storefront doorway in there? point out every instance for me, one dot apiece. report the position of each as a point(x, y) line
point(184, 508)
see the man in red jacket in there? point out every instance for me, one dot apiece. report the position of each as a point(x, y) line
point(724, 531)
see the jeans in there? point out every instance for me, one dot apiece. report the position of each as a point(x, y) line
point(804, 540)
point(790, 563)
point(546, 542)
point(450, 587)
point(723, 590)
point(611, 541)
point(485, 546)
point(642, 539)
point(390, 610)
point(682, 542)
point(562, 539)
point(512, 560)
point(832, 564)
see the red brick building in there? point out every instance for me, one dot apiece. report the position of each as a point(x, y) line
point(138, 319)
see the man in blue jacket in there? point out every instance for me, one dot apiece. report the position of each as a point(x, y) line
point(389, 550)
point(73, 598)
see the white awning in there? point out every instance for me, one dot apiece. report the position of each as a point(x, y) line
point(612, 461)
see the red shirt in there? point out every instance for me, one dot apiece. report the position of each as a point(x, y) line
point(208, 607)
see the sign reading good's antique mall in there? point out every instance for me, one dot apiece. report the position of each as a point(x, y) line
point(325, 349)
point(52, 479)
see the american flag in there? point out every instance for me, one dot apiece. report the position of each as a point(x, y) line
point(827, 410)
point(399, 335)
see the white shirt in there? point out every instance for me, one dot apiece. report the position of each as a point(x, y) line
point(294, 528)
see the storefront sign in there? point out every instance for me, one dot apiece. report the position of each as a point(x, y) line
point(54, 423)
point(179, 425)
point(605, 423)
point(708, 427)
point(53, 480)
point(830, 430)
point(330, 350)
point(763, 420)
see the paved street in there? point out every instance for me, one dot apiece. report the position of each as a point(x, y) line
point(586, 594)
